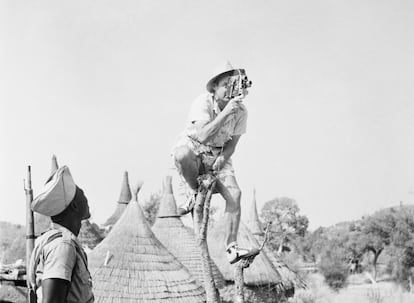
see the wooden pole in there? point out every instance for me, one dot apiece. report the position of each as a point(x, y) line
point(239, 268)
point(30, 235)
point(201, 216)
point(239, 282)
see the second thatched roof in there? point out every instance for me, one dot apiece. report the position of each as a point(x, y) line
point(124, 198)
point(290, 279)
point(180, 240)
point(261, 272)
point(131, 265)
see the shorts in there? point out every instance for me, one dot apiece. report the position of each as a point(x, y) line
point(206, 155)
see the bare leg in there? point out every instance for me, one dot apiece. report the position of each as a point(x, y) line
point(231, 192)
point(188, 165)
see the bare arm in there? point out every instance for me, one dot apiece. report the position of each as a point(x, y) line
point(54, 290)
point(228, 151)
point(206, 131)
point(230, 147)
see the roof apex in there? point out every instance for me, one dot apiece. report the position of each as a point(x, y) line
point(125, 195)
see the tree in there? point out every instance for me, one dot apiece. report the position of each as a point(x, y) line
point(312, 244)
point(331, 246)
point(287, 223)
point(16, 251)
point(151, 207)
point(403, 243)
point(333, 265)
point(12, 242)
point(377, 233)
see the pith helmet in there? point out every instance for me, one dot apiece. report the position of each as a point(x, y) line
point(225, 69)
point(56, 194)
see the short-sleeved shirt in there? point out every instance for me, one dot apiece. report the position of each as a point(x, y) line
point(205, 108)
point(62, 258)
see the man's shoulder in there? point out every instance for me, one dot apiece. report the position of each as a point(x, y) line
point(54, 239)
point(203, 99)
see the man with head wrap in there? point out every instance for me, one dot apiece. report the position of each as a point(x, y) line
point(58, 269)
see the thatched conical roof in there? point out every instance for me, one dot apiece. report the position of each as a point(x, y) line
point(131, 265)
point(168, 207)
point(179, 240)
point(54, 166)
point(290, 279)
point(126, 194)
point(89, 236)
point(261, 272)
point(122, 202)
point(253, 222)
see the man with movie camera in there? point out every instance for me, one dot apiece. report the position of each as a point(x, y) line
point(217, 120)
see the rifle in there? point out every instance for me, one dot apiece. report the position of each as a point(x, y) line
point(30, 236)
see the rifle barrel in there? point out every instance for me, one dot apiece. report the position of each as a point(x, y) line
point(30, 236)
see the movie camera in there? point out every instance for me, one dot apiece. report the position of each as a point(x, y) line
point(237, 84)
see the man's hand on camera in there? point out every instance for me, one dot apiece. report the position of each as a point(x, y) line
point(232, 106)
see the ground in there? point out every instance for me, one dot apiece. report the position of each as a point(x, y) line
point(359, 290)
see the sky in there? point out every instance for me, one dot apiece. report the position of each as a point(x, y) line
point(106, 86)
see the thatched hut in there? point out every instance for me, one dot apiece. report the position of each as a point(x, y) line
point(131, 265)
point(253, 222)
point(290, 279)
point(122, 203)
point(89, 235)
point(262, 281)
point(178, 239)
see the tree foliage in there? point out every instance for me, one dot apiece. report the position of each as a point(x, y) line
point(383, 228)
point(402, 242)
point(287, 223)
point(12, 242)
point(151, 207)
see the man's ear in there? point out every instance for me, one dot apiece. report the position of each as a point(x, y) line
point(74, 206)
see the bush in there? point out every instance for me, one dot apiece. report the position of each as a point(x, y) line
point(401, 266)
point(334, 272)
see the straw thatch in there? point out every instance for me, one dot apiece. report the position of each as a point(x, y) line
point(290, 279)
point(261, 272)
point(180, 240)
point(122, 202)
point(168, 206)
point(252, 221)
point(131, 265)
point(89, 235)
point(54, 166)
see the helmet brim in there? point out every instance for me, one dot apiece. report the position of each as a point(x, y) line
point(212, 81)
